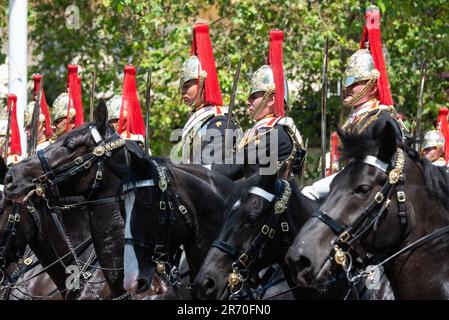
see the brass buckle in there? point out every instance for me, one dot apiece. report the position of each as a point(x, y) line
point(284, 226)
point(182, 209)
point(265, 229)
point(401, 196)
point(379, 197)
point(344, 236)
point(78, 160)
point(272, 233)
point(28, 261)
point(243, 258)
point(87, 164)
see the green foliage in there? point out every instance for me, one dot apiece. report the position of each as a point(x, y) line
point(157, 34)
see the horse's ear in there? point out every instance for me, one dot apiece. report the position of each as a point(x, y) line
point(101, 116)
point(269, 180)
point(387, 142)
point(3, 170)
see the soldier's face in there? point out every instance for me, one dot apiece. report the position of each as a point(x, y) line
point(254, 101)
point(61, 123)
point(432, 153)
point(190, 94)
point(356, 88)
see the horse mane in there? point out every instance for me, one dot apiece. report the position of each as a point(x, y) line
point(357, 144)
point(436, 177)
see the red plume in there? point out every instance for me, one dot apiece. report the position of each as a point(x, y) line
point(130, 104)
point(372, 34)
point(275, 62)
point(14, 146)
point(335, 154)
point(443, 127)
point(202, 47)
point(43, 103)
point(75, 95)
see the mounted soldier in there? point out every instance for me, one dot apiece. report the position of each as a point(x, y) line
point(10, 134)
point(273, 142)
point(200, 91)
point(435, 148)
point(367, 92)
point(67, 112)
point(44, 131)
point(124, 111)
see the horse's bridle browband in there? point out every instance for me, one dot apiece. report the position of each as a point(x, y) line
point(244, 261)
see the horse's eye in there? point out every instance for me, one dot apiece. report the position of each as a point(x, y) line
point(70, 144)
point(251, 219)
point(363, 189)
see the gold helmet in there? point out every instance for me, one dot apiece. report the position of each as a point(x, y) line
point(28, 115)
point(60, 106)
point(367, 63)
point(433, 139)
point(360, 68)
point(270, 78)
point(113, 105)
point(191, 70)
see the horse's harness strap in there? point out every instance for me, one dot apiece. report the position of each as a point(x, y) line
point(226, 248)
point(264, 194)
point(337, 228)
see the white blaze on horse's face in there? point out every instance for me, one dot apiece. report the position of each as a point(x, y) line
point(131, 264)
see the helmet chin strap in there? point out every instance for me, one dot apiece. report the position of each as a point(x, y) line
point(267, 95)
point(368, 86)
point(199, 92)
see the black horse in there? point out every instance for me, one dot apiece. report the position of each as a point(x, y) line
point(387, 208)
point(167, 206)
point(265, 216)
point(81, 164)
point(33, 227)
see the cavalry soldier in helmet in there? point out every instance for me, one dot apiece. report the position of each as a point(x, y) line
point(124, 111)
point(200, 89)
point(274, 142)
point(435, 148)
point(44, 130)
point(67, 112)
point(367, 92)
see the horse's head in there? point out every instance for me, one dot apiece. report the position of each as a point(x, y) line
point(17, 229)
point(21, 179)
point(364, 211)
point(153, 228)
point(251, 222)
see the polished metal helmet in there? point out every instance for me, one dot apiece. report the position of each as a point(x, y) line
point(113, 105)
point(191, 70)
point(60, 106)
point(262, 80)
point(28, 114)
point(360, 68)
point(433, 139)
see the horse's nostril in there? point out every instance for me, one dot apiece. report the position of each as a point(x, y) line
point(303, 263)
point(208, 283)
